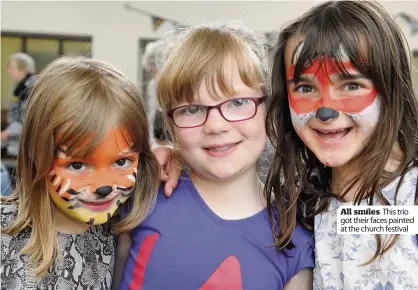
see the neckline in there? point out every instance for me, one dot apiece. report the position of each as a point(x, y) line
point(203, 206)
point(387, 190)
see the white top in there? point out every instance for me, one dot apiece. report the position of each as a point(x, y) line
point(337, 256)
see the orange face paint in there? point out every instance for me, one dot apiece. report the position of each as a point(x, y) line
point(322, 69)
point(91, 188)
point(363, 107)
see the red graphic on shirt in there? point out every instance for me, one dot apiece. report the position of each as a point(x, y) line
point(322, 68)
point(226, 277)
point(142, 260)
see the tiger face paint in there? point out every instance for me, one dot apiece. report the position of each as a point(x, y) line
point(90, 189)
point(332, 114)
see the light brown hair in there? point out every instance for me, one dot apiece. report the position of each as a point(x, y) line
point(196, 54)
point(76, 96)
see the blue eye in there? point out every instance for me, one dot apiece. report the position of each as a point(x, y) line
point(240, 102)
point(191, 110)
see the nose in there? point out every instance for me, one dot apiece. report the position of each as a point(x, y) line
point(325, 114)
point(215, 123)
point(104, 191)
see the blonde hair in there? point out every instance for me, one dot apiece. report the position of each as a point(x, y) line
point(76, 96)
point(194, 54)
point(24, 62)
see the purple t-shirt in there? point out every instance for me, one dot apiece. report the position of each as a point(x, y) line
point(184, 245)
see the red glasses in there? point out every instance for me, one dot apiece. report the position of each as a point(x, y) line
point(234, 110)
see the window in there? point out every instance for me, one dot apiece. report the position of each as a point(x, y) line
point(43, 49)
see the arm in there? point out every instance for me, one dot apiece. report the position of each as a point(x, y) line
point(122, 252)
point(301, 281)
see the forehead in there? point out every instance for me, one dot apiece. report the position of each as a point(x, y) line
point(210, 92)
point(12, 63)
point(291, 45)
point(115, 141)
point(338, 63)
point(295, 46)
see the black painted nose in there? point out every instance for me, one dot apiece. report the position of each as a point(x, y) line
point(104, 191)
point(326, 113)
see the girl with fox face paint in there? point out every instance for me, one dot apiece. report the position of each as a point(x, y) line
point(344, 119)
point(84, 153)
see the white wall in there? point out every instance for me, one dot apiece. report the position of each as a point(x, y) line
point(116, 31)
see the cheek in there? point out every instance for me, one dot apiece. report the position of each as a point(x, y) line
point(367, 119)
point(188, 138)
point(299, 121)
point(253, 131)
point(58, 175)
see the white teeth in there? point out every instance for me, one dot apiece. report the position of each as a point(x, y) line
point(221, 148)
point(333, 132)
point(328, 135)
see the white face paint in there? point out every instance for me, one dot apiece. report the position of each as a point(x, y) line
point(354, 103)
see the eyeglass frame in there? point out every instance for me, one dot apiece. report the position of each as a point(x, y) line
point(257, 102)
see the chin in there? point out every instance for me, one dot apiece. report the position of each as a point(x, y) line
point(221, 175)
point(335, 159)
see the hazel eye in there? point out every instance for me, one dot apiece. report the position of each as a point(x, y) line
point(352, 87)
point(304, 89)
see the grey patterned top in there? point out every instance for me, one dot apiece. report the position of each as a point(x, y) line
point(87, 259)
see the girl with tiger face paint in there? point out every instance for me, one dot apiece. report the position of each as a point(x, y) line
point(84, 152)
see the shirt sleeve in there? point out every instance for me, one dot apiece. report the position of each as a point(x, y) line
point(303, 255)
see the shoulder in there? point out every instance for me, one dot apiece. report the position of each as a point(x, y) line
point(179, 193)
point(30, 81)
point(8, 214)
point(303, 238)
point(163, 203)
point(302, 256)
point(407, 190)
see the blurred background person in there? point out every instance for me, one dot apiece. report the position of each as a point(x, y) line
point(21, 69)
point(155, 118)
point(6, 186)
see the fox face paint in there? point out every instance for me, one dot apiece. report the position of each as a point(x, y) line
point(90, 189)
point(334, 115)
point(323, 93)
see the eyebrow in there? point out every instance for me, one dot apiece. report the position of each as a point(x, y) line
point(340, 78)
point(350, 76)
point(126, 151)
point(301, 79)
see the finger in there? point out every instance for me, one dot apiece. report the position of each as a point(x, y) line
point(161, 155)
point(173, 178)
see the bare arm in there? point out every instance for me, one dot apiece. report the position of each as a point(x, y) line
point(301, 281)
point(122, 252)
